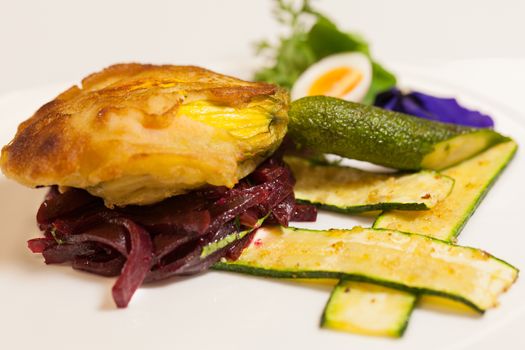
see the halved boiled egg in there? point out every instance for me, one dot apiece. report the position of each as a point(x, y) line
point(345, 75)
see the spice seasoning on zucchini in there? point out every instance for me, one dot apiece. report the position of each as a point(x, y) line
point(473, 178)
point(405, 261)
point(351, 190)
point(371, 310)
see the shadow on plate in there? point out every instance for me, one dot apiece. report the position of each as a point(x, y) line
point(447, 306)
point(321, 285)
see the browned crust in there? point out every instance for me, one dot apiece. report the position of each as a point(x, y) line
point(57, 145)
point(218, 87)
point(39, 144)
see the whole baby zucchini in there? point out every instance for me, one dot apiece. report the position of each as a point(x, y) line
point(410, 262)
point(365, 309)
point(350, 190)
point(352, 130)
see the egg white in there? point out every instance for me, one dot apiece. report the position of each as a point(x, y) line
point(354, 60)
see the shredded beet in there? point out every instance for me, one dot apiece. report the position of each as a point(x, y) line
point(304, 213)
point(137, 265)
point(149, 243)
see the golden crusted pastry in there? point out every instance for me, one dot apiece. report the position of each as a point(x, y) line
point(136, 134)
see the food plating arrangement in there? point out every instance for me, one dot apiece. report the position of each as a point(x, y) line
point(161, 171)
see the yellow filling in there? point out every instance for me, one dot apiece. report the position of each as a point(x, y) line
point(336, 82)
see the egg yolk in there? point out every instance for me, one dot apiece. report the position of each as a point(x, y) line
point(336, 82)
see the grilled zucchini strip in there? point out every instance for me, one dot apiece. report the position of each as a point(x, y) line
point(362, 309)
point(473, 178)
point(350, 190)
point(404, 261)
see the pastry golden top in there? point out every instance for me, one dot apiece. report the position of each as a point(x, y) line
point(136, 134)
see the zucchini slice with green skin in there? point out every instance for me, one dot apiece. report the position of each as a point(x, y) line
point(390, 313)
point(473, 178)
point(351, 190)
point(213, 247)
point(368, 309)
point(396, 140)
point(405, 261)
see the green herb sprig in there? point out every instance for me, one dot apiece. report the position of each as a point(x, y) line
point(311, 37)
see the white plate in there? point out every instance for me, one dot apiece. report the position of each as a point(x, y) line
point(55, 307)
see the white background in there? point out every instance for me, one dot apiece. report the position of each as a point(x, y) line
point(477, 44)
point(50, 41)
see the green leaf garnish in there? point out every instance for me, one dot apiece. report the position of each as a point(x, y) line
point(55, 236)
point(213, 247)
point(307, 43)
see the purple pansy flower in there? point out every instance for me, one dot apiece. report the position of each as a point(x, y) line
point(446, 110)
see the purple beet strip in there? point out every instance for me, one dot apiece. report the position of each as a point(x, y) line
point(141, 244)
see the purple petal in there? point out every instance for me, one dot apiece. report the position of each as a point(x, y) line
point(445, 110)
point(389, 99)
